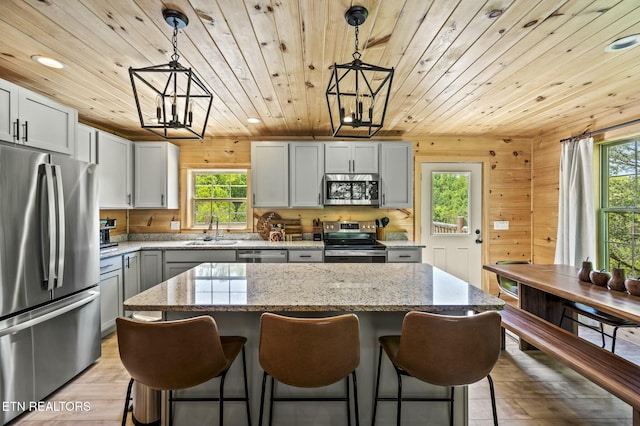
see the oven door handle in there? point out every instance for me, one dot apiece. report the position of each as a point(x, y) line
point(358, 253)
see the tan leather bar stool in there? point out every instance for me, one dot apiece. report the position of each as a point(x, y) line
point(442, 350)
point(309, 353)
point(179, 354)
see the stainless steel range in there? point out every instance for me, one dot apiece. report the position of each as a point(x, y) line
point(352, 242)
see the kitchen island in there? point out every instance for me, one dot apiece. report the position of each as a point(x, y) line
point(380, 294)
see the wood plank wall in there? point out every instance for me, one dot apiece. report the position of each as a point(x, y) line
point(506, 191)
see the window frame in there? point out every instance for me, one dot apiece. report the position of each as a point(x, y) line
point(605, 209)
point(191, 199)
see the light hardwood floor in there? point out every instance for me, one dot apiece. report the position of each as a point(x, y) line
point(531, 389)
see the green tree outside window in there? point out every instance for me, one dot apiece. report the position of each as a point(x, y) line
point(220, 193)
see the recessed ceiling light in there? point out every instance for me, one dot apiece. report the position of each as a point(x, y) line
point(48, 62)
point(623, 43)
point(253, 120)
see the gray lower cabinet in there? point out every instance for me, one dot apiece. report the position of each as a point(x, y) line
point(178, 261)
point(111, 293)
point(131, 272)
point(308, 256)
point(405, 255)
point(150, 268)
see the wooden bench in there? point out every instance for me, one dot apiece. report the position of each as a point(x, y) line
point(611, 372)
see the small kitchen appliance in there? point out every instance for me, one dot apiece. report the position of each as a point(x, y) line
point(106, 225)
point(351, 189)
point(352, 242)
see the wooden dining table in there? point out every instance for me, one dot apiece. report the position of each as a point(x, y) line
point(543, 288)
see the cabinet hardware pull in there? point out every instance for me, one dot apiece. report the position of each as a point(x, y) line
point(384, 199)
point(162, 199)
point(128, 265)
point(404, 256)
point(305, 255)
point(26, 127)
point(16, 130)
point(129, 199)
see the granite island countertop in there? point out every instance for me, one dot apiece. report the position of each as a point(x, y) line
point(313, 287)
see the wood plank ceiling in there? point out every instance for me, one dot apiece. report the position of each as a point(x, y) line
point(538, 66)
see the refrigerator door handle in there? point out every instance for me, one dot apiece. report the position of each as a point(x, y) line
point(60, 228)
point(93, 295)
point(49, 265)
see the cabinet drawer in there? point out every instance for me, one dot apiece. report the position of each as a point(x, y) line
point(305, 256)
point(200, 256)
point(408, 256)
point(110, 264)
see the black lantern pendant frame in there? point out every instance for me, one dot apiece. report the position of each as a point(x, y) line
point(362, 93)
point(174, 101)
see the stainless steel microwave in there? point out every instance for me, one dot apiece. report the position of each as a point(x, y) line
point(351, 189)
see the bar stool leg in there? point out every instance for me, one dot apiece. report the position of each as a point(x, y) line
point(221, 400)
point(451, 407)
point(273, 389)
point(264, 383)
point(602, 334)
point(246, 386)
point(126, 403)
point(399, 411)
point(493, 401)
point(346, 380)
point(613, 342)
point(355, 397)
point(375, 402)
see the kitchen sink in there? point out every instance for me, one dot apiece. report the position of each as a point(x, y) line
point(212, 243)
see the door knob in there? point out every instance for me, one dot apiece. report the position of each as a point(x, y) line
point(479, 237)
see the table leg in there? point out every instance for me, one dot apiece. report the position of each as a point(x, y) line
point(543, 305)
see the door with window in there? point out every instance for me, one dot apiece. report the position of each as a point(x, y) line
point(452, 218)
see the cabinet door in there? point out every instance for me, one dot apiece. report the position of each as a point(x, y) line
point(46, 124)
point(114, 158)
point(8, 111)
point(150, 268)
point(131, 275)
point(306, 168)
point(396, 174)
point(155, 175)
point(270, 174)
point(364, 157)
point(110, 300)
point(337, 157)
point(86, 143)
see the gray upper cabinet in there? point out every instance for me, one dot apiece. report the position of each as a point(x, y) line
point(86, 146)
point(156, 175)
point(351, 157)
point(30, 119)
point(116, 172)
point(396, 175)
point(270, 174)
point(306, 166)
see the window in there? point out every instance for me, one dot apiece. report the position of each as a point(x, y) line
point(450, 202)
point(221, 193)
point(620, 207)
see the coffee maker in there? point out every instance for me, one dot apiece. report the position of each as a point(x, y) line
point(106, 225)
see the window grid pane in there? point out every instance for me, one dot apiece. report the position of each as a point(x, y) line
point(620, 213)
point(221, 194)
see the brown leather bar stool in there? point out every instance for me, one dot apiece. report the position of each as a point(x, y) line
point(179, 354)
point(309, 353)
point(442, 350)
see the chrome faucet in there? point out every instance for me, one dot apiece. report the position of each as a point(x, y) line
point(217, 236)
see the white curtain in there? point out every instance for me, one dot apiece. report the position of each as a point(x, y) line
point(576, 208)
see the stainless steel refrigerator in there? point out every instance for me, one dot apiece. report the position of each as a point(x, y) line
point(49, 273)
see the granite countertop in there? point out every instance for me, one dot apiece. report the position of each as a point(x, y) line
point(249, 244)
point(313, 287)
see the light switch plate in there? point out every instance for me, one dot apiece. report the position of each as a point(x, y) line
point(175, 225)
point(501, 225)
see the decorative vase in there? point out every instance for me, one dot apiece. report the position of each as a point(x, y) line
point(616, 282)
point(583, 272)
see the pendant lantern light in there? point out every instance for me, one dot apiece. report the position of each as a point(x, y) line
point(358, 93)
point(172, 100)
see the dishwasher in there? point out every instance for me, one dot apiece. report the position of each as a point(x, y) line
point(262, 256)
